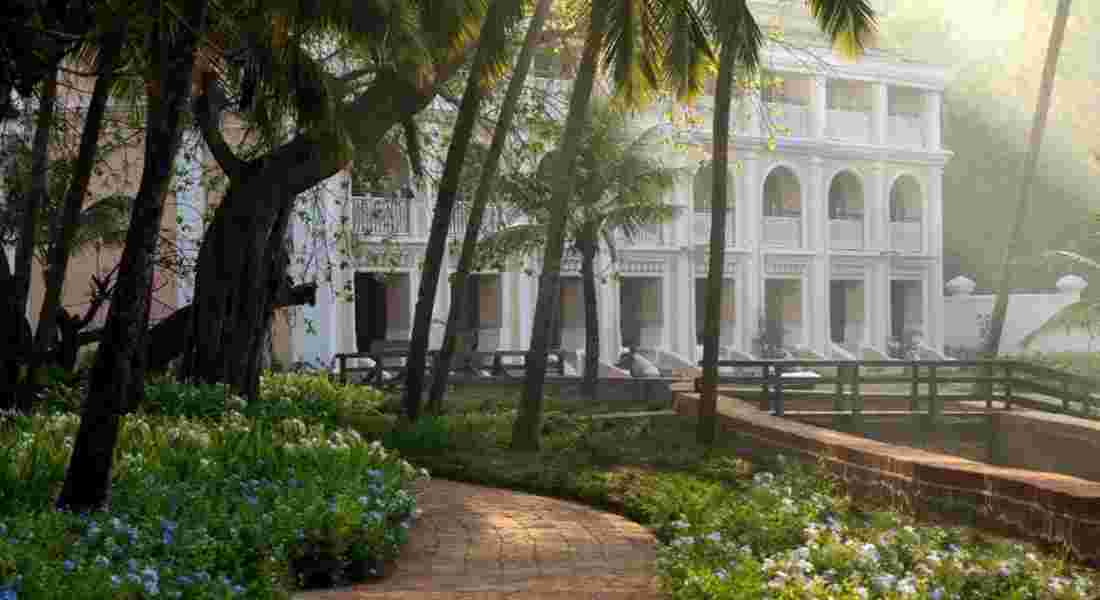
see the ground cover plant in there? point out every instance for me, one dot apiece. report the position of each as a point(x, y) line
point(736, 521)
point(212, 497)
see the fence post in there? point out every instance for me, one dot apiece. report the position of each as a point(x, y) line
point(933, 397)
point(343, 362)
point(856, 399)
point(914, 388)
point(778, 391)
point(765, 395)
point(838, 397)
point(1008, 387)
point(992, 388)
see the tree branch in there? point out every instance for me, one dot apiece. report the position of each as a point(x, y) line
point(206, 114)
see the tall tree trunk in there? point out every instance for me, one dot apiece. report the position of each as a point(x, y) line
point(712, 319)
point(15, 334)
point(444, 206)
point(588, 247)
point(1038, 125)
point(525, 430)
point(65, 232)
point(39, 188)
point(117, 376)
point(481, 199)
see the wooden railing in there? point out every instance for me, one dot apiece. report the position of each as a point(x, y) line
point(1015, 380)
point(389, 368)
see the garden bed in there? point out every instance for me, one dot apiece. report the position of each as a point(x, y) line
point(211, 498)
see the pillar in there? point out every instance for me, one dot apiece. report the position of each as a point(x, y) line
point(819, 107)
point(932, 106)
point(682, 323)
point(876, 218)
point(934, 247)
point(880, 113)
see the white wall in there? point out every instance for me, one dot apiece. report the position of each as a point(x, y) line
point(964, 314)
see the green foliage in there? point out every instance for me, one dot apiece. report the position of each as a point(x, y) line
point(209, 508)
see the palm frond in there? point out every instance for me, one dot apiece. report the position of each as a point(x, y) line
point(688, 57)
point(1084, 314)
point(848, 23)
point(1072, 257)
point(633, 49)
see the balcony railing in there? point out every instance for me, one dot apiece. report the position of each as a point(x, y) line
point(702, 228)
point(906, 236)
point(491, 221)
point(906, 130)
point(787, 120)
point(846, 234)
point(646, 235)
point(848, 125)
point(783, 232)
point(380, 215)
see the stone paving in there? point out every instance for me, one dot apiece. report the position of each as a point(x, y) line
point(482, 543)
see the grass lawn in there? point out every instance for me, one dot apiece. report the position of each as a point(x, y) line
point(735, 522)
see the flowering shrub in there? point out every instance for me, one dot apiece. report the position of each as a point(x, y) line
point(788, 537)
point(200, 509)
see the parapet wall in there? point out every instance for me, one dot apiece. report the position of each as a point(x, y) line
point(1036, 505)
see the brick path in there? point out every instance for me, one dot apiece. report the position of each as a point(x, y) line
point(483, 543)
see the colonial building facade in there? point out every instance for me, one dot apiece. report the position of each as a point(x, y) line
point(835, 232)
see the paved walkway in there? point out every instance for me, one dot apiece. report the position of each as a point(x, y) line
point(483, 543)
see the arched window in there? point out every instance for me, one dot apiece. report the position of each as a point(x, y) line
point(846, 197)
point(782, 194)
point(905, 200)
point(704, 189)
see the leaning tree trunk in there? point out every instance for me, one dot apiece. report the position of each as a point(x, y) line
point(588, 248)
point(117, 376)
point(1038, 125)
point(477, 209)
point(65, 233)
point(525, 430)
point(15, 337)
point(712, 319)
point(39, 187)
point(444, 206)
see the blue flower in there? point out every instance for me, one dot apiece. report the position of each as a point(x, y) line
point(152, 588)
point(69, 566)
point(203, 576)
point(101, 561)
point(115, 580)
point(8, 593)
point(132, 564)
point(238, 589)
point(150, 573)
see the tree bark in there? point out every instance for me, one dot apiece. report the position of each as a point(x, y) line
point(65, 232)
point(588, 247)
point(485, 188)
point(712, 319)
point(39, 188)
point(117, 375)
point(444, 205)
point(526, 429)
point(1038, 125)
point(15, 337)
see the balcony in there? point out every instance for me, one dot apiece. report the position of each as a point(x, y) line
point(787, 120)
point(906, 130)
point(646, 235)
point(381, 216)
point(846, 234)
point(848, 125)
point(905, 236)
point(702, 228)
point(491, 221)
point(783, 232)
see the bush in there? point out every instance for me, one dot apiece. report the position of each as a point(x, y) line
point(315, 397)
point(200, 509)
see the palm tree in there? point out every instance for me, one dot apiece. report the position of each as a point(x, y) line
point(848, 24)
point(621, 182)
point(1083, 314)
point(645, 45)
point(485, 188)
point(486, 66)
point(1038, 125)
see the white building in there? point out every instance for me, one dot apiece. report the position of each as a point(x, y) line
point(837, 231)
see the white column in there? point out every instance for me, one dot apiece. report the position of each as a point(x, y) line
point(816, 282)
point(506, 303)
point(932, 107)
point(876, 219)
point(880, 113)
point(743, 276)
point(190, 206)
point(611, 337)
point(750, 199)
point(754, 291)
point(815, 213)
point(819, 107)
point(682, 317)
point(934, 288)
point(879, 307)
point(527, 290)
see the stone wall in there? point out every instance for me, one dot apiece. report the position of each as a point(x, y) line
point(1046, 507)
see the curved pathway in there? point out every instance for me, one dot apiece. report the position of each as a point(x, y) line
point(482, 543)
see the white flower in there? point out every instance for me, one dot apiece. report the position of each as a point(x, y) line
point(714, 536)
point(869, 553)
point(907, 585)
point(884, 582)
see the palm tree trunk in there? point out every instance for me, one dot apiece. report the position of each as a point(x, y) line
point(712, 319)
point(444, 206)
point(63, 234)
point(117, 376)
point(1015, 242)
point(481, 199)
point(591, 316)
point(525, 430)
point(36, 195)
